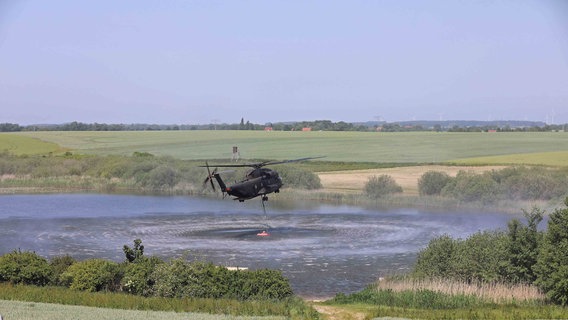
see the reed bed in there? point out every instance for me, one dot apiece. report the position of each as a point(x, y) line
point(492, 292)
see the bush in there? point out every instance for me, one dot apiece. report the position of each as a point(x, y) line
point(380, 186)
point(59, 265)
point(480, 256)
point(437, 259)
point(477, 259)
point(162, 177)
point(24, 268)
point(265, 284)
point(181, 279)
point(93, 275)
point(533, 183)
point(137, 276)
point(432, 183)
point(468, 186)
point(298, 178)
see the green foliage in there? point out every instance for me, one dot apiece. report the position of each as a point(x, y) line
point(137, 275)
point(264, 284)
point(522, 247)
point(432, 183)
point(522, 183)
point(297, 177)
point(93, 275)
point(25, 267)
point(437, 259)
point(179, 278)
point(552, 266)
point(58, 266)
point(476, 259)
point(515, 183)
point(468, 186)
point(381, 186)
point(479, 257)
point(134, 254)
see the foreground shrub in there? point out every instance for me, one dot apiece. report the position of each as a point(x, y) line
point(380, 186)
point(58, 266)
point(552, 265)
point(24, 268)
point(182, 279)
point(479, 258)
point(265, 284)
point(137, 276)
point(93, 275)
point(437, 259)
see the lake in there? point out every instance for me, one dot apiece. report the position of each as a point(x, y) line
point(323, 249)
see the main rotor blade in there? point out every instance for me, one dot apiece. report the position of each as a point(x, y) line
point(287, 161)
point(265, 163)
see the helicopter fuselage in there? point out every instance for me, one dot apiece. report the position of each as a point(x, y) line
point(258, 182)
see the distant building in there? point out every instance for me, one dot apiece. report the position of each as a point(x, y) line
point(306, 129)
point(267, 128)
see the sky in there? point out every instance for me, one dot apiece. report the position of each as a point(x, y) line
point(209, 61)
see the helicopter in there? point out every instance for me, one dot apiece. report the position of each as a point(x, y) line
point(258, 182)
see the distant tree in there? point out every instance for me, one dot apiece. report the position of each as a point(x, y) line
point(380, 186)
point(10, 127)
point(432, 182)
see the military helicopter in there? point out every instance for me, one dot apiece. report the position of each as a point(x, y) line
point(258, 182)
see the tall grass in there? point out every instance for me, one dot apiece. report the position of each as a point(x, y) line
point(492, 292)
point(46, 311)
point(438, 299)
point(293, 308)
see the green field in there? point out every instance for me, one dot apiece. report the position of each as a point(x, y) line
point(542, 148)
point(20, 145)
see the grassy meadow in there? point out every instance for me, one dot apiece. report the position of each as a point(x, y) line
point(539, 148)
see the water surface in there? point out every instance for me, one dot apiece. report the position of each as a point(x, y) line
point(322, 249)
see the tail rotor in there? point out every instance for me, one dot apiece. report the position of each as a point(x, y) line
point(210, 176)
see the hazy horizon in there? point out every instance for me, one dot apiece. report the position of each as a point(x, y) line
point(201, 61)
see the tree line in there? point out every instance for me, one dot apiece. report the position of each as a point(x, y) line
point(317, 125)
